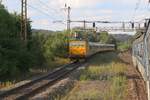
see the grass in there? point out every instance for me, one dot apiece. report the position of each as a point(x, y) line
point(123, 46)
point(87, 95)
point(109, 71)
point(103, 72)
point(6, 84)
point(117, 89)
point(37, 71)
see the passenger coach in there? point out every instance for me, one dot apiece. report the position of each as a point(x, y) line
point(141, 55)
point(80, 48)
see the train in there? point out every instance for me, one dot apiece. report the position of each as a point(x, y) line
point(141, 54)
point(80, 48)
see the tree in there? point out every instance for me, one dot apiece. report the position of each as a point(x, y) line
point(14, 55)
point(56, 46)
point(104, 37)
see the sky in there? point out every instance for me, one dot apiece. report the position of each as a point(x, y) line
point(43, 13)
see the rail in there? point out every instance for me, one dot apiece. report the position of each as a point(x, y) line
point(34, 87)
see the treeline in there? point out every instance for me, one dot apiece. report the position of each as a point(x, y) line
point(14, 55)
point(101, 37)
point(17, 57)
point(104, 37)
point(50, 46)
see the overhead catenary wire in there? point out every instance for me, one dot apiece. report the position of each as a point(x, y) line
point(48, 8)
point(137, 5)
point(47, 12)
point(40, 11)
point(148, 5)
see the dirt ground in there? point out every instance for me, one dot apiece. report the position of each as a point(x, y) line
point(136, 85)
point(100, 89)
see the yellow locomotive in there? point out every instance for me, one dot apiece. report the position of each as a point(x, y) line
point(78, 49)
point(81, 48)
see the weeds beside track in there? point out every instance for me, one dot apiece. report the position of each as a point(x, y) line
point(34, 87)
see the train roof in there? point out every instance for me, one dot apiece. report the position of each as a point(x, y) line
point(100, 44)
point(141, 33)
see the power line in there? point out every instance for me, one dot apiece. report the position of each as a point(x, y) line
point(40, 11)
point(48, 8)
point(59, 21)
point(148, 4)
point(137, 5)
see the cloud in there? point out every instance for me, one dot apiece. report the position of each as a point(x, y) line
point(47, 24)
point(42, 22)
point(89, 3)
point(32, 13)
point(97, 9)
point(80, 10)
point(142, 16)
point(74, 3)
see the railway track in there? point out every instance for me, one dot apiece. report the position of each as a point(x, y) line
point(34, 87)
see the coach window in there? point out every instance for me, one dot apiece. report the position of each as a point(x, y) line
point(148, 45)
point(143, 49)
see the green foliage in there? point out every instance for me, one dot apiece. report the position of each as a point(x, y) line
point(7, 24)
point(17, 57)
point(36, 48)
point(46, 48)
point(103, 72)
point(117, 89)
point(123, 46)
point(56, 46)
point(14, 55)
point(92, 36)
point(104, 79)
point(104, 37)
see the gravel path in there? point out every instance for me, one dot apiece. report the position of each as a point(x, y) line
point(136, 84)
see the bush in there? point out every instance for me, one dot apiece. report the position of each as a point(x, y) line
point(36, 50)
point(45, 48)
point(56, 46)
point(15, 58)
point(123, 46)
point(18, 57)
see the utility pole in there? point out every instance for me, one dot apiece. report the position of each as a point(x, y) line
point(68, 17)
point(84, 28)
point(68, 21)
point(23, 33)
point(0, 1)
point(123, 26)
point(84, 25)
